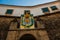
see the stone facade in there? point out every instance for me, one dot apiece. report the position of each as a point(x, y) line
point(52, 25)
point(48, 28)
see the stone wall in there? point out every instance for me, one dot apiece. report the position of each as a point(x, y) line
point(52, 25)
point(49, 23)
point(5, 26)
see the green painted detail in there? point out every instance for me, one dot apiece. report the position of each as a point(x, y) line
point(27, 26)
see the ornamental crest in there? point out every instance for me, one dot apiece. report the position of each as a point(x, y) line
point(27, 21)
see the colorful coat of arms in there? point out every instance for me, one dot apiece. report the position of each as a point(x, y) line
point(27, 21)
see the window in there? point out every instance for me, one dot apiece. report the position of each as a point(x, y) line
point(27, 11)
point(45, 9)
point(9, 11)
point(53, 8)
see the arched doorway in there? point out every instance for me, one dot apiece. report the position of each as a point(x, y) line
point(27, 37)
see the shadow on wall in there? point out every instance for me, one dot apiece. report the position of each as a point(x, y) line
point(27, 37)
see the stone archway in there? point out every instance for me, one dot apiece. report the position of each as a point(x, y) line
point(27, 37)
